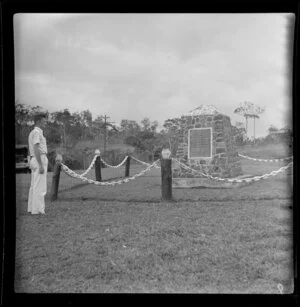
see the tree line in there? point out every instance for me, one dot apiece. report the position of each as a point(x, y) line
point(66, 129)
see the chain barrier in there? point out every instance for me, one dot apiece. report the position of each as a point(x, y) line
point(114, 166)
point(75, 175)
point(236, 180)
point(142, 162)
point(90, 167)
point(265, 160)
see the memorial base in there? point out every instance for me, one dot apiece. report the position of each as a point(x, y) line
point(190, 183)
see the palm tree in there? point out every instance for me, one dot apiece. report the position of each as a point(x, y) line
point(249, 110)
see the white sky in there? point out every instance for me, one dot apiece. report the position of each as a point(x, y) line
point(131, 66)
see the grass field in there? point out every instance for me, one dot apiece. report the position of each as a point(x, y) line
point(124, 239)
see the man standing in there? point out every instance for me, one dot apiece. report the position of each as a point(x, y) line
point(38, 165)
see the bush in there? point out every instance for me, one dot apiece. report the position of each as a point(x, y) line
point(73, 163)
point(132, 140)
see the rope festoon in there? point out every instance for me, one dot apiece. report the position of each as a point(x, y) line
point(114, 166)
point(142, 162)
point(75, 175)
point(71, 173)
point(266, 160)
point(236, 180)
point(90, 167)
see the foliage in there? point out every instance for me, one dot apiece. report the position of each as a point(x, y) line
point(249, 109)
point(73, 162)
point(239, 133)
point(132, 140)
point(273, 129)
point(172, 131)
point(63, 127)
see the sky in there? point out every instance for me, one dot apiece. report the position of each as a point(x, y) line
point(160, 66)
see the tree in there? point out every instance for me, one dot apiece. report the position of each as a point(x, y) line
point(145, 123)
point(239, 133)
point(129, 127)
point(22, 114)
point(53, 133)
point(63, 120)
point(24, 120)
point(249, 110)
point(272, 129)
point(97, 126)
point(154, 126)
point(172, 131)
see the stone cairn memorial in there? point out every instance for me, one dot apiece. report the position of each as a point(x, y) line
point(206, 144)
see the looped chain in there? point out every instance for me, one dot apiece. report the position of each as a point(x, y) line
point(114, 166)
point(142, 162)
point(90, 167)
point(265, 160)
point(236, 180)
point(74, 175)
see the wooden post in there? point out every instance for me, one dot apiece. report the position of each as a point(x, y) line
point(166, 175)
point(98, 166)
point(55, 177)
point(127, 167)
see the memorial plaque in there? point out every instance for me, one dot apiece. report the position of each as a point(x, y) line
point(200, 143)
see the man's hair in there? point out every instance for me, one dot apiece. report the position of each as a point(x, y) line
point(39, 116)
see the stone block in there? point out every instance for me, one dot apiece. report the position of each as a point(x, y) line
point(222, 161)
point(218, 127)
point(220, 144)
point(220, 150)
point(226, 174)
point(219, 116)
point(216, 168)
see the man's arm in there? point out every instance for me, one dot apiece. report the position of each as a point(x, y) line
point(37, 154)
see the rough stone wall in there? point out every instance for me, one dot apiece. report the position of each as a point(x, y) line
point(225, 161)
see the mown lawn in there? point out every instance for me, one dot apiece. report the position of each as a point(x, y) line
point(124, 239)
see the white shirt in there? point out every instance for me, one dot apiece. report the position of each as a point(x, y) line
point(36, 137)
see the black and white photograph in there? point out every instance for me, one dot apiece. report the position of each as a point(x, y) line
point(154, 153)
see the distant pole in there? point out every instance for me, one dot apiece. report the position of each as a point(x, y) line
point(55, 177)
point(127, 167)
point(98, 166)
point(166, 175)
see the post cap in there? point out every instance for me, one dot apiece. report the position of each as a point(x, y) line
point(166, 153)
point(58, 158)
point(97, 152)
